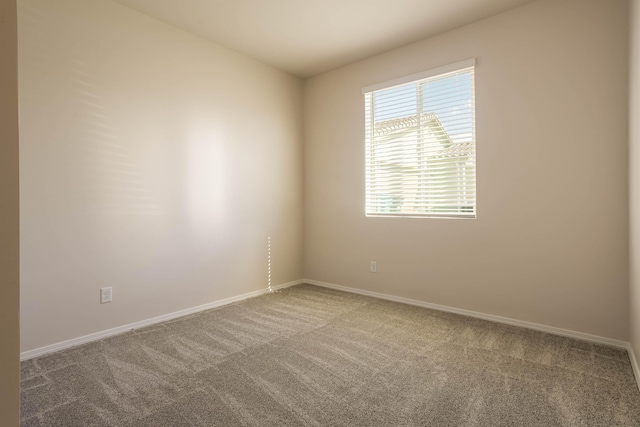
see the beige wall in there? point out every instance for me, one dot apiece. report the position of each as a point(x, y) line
point(152, 161)
point(549, 244)
point(9, 218)
point(634, 176)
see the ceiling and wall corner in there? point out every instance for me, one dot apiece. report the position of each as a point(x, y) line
point(306, 38)
point(9, 218)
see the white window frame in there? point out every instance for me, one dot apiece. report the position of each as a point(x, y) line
point(372, 208)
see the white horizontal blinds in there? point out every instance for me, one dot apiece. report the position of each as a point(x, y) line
point(420, 146)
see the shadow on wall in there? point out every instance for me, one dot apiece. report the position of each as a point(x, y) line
point(88, 141)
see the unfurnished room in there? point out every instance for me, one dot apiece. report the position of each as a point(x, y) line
point(319, 213)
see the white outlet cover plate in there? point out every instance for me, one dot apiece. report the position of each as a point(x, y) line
point(106, 295)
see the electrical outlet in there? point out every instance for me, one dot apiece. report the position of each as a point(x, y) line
point(106, 295)
point(374, 267)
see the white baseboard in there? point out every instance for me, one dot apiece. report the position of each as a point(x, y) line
point(147, 322)
point(634, 364)
point(498, 319)
point(514, 322)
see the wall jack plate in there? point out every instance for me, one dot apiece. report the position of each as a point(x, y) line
point(106, 295)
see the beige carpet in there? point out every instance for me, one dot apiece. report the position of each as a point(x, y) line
point(308, 356)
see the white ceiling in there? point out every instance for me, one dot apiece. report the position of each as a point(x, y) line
point(308, 37)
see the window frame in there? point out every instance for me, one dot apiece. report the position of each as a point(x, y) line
point(418, 78)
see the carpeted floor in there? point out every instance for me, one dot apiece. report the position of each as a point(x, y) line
point(309, 356)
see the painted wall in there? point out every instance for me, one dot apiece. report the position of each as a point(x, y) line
point(9, 218)
point(152, 161)
point(549, 244)
point(634, 175)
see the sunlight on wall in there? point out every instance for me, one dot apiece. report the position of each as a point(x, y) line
point(205, 177)
point(87, 160)
point(269, 263)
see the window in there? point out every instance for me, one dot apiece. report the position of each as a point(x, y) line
point(420, 144)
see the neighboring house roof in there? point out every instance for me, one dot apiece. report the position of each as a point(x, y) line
point(459, 149)
point(437, 130)
point(408, 124)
